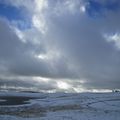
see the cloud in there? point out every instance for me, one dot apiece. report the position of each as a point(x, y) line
point(115, 38)
point(22, 58)
point(64, 41)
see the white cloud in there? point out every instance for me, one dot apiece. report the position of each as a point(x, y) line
point(63, 85)
point(20, 35)
point(40, 5)
point(39, 23)
point(115, 39)
point(71, 5)
point(82, 9)
point(38, 18)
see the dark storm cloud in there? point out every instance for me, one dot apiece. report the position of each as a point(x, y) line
point(18, 57)
point(66, 41)
point(82, 40)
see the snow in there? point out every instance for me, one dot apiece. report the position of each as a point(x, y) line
point(63, 106)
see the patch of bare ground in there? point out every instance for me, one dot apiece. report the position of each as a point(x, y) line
point(65, 107)
point(36, 110)
point(26, 111)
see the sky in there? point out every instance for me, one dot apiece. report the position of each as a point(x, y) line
point(60, 45)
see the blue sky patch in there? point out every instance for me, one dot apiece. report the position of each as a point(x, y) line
point(94, 8)
point(97, 9)
point(113, 5)
point(15, 14)
point(10, 12)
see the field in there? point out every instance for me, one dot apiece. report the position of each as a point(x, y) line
point(59, 106)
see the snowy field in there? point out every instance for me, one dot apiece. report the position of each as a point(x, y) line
point(59, 106)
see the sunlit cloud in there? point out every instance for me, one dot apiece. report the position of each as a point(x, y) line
point(39, 23)
point(63, 85)
point(114, 38)
point(40, 79)
point(82, 9)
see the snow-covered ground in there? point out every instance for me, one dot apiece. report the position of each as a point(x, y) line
point(61, 106)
